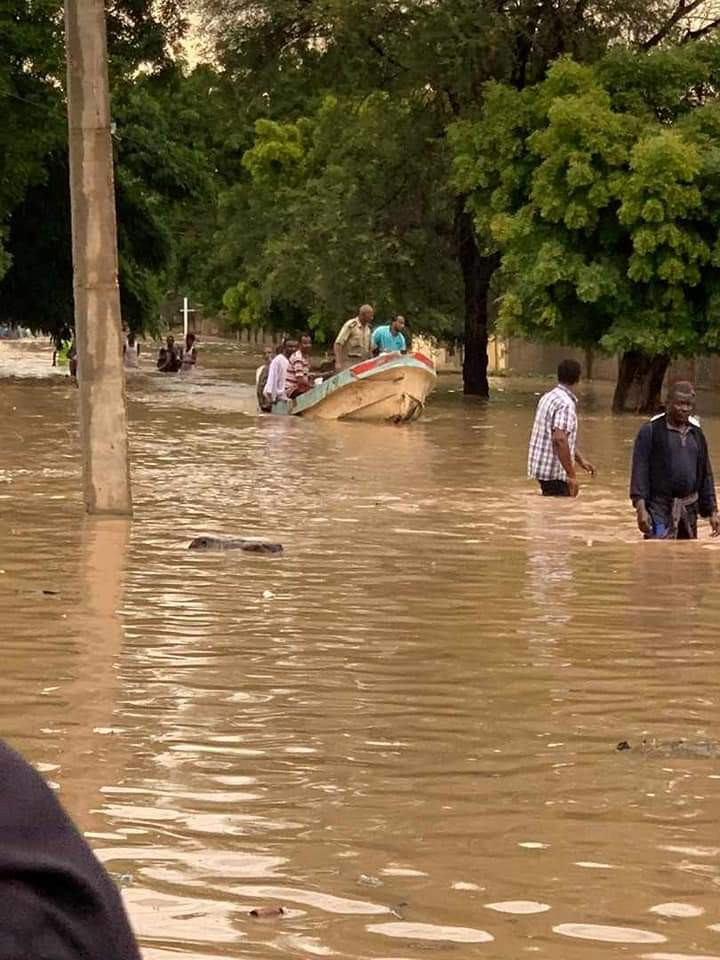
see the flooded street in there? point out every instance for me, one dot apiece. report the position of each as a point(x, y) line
point(404, 729)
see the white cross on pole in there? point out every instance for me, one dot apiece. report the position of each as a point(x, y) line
point(186, 311)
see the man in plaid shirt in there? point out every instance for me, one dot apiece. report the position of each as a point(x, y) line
point(553, 452)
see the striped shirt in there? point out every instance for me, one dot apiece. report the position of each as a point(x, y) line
point(298, 371)
point(556, 410)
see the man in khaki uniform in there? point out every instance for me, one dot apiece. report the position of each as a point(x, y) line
point(352, 344)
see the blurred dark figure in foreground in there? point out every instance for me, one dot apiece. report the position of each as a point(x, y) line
point(56, 900)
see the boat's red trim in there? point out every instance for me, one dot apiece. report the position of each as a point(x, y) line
point(367, 365)
point(423, 359)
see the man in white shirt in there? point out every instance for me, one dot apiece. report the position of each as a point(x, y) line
point(275, 386)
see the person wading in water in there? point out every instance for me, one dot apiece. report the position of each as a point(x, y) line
point(672, 478)
point(553, 452)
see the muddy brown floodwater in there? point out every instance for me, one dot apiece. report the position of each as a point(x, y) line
point(403, 730)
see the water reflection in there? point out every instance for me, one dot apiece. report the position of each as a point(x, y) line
point(93, 754)
point(408, 718)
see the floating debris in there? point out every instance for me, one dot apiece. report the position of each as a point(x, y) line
point(263, 913)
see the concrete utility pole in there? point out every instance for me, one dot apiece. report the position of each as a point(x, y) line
point(103, 408)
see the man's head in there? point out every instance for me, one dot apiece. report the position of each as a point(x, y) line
point(680, 402)
point(170, 342)
point(568, 372)
point(398, 324)
point(290, 347)
point(366, 314)
point(305, 344)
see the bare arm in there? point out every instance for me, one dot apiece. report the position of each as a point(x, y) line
point(339, 355)
point(644, 521)
point(584, 463)
point(561, 446)
point(640, 478)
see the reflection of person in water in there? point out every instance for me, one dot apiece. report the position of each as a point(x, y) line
point(57, 901)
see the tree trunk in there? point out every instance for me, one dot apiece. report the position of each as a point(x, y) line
point(639, 383)
point(477, 272)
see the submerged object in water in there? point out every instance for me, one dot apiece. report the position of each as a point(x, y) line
point(266, 912)
point(249, 546)
point(674, 748)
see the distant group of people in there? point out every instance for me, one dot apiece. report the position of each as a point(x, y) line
point(671, 481)
point(171, 358)
point(175, 357)
point(287, 374)
point(11, 331)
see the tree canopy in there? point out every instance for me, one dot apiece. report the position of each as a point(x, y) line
point(599, 188)
point(427, 157)
point(35, 236)
point(329, 221)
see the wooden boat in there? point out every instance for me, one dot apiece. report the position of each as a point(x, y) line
point(392, 387)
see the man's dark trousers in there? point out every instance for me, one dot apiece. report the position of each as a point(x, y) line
point(554, 488)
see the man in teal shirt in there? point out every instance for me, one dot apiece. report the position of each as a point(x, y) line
point(390, 338)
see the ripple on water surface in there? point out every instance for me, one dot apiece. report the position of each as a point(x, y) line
point(410, 715)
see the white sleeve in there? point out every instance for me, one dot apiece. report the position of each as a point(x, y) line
point(271, 383)
point(281, 378)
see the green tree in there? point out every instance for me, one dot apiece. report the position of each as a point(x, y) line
point(437, 58)
point(598, 187)
point(30, 116)
point(333, 207)
point(35, 238)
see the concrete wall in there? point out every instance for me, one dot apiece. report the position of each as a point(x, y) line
point(703, 371)
point(525, 358)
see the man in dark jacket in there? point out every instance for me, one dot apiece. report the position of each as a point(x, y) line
point(56, 900)
point(672, 478)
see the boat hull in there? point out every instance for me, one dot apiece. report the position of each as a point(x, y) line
point(392, 387)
